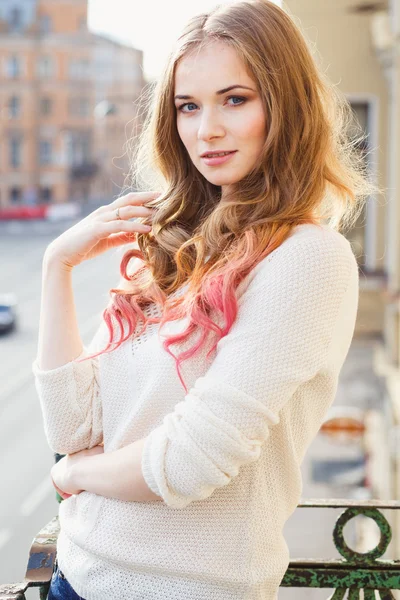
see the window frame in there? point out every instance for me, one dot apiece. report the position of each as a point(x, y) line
point(370, 210)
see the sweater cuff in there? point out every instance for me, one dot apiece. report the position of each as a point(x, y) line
point(153, 468)
point(148, 456)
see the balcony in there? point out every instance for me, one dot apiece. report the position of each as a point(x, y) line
point(350, 574)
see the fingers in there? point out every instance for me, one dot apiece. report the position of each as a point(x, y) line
point(127, 212)
point(119, 226)
point(63, 495)
point(134, 199)
point(130, 206)
point(121, 239)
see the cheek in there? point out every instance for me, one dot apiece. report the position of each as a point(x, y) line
point(253, 129)
point(185, 134)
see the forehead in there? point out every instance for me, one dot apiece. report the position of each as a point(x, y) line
point(215, 66)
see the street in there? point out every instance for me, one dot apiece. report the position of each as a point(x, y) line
point(28, 501)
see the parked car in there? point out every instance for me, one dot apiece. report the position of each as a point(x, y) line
point(8, 312)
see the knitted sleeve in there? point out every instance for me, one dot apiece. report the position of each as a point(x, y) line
point(280, 340)
point(69, 397)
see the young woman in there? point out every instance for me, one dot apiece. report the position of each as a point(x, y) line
point(185, 421)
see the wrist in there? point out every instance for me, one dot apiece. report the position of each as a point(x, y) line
point(51, 260)
point(76, 477)
point(84, 467)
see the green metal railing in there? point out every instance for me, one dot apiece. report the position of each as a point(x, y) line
point(350, 574)
point(356, 571)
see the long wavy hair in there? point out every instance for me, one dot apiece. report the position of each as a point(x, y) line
point(309, 171)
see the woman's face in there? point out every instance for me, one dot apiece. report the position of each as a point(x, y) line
point(212, 118)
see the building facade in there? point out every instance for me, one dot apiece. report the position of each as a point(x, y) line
point(53, 73)
point(357, 42)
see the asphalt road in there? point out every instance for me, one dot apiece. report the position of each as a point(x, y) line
point(28, 498)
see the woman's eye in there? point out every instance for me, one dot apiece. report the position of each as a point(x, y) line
point(182, 106)
point(237, 98)
point(188, 104)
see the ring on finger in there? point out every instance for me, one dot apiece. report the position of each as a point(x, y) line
point(117, 213)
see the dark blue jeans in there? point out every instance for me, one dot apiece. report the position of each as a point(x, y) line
point(60, 589)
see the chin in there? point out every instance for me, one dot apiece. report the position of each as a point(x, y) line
point(220, 179)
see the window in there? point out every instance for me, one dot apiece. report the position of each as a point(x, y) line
point(15, 20)
point(45, 66)
point(78, 147)
point(45, 152)
point(45, 106)
point(359, 126)
point(46, 195)
point(14, 107)
point(13, 66)
point(45, 24)
point(360, 115)
point(79, 69)
point(15, 147)
point(15, 195)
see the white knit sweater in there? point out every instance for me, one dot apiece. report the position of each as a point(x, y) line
point(226, 457)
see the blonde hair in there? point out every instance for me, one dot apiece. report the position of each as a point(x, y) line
point(309, 171)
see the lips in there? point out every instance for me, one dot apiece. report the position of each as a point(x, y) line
point(216, 153)
point(214, 160)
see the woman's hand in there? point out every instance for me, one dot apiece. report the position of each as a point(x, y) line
point(102, 230)
point(62, 473)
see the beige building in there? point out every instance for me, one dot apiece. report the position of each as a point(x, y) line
point(357, 43)
point(53, 74)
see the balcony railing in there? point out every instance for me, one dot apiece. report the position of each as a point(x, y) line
point(352, 573)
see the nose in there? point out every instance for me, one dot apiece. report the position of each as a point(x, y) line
point(210, 126)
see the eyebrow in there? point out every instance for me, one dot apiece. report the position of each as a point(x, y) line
point(228, 89)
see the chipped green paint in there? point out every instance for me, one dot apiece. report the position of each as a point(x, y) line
point(353, 572)
point(324, 575)
point(367, 557)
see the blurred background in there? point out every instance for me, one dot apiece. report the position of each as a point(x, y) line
point(70, 74)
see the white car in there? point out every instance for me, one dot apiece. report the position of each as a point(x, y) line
point(8, 312)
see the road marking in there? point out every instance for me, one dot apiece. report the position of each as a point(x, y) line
point(36, 497)
point(5, 537)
